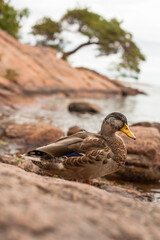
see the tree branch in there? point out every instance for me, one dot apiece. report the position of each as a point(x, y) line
point(66, 54)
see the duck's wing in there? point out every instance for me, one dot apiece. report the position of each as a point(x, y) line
point(79, 143)
point(91, 158)
point(56, 149)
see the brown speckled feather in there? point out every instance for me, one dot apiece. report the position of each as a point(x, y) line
point(92, 157)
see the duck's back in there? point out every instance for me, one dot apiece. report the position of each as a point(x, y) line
point(68, 145)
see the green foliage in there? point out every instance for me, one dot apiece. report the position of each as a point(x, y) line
point(107, 36)
point(47, 28)
point(10, 18)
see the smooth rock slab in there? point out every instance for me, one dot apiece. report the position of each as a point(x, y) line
point(35, 207)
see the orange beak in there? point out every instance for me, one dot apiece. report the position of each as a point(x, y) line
point(127, 131)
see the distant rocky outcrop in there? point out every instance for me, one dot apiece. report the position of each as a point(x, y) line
point(26, 71)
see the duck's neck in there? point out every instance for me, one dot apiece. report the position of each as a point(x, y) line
point(109, 134)
point(115, 142)
point(107, 131)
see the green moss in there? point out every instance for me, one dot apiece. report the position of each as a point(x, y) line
point(18, 160)
point(2, 142)
point(11, 75)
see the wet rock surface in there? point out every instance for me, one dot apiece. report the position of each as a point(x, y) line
point(36, 207)
point(126, 190)
point(83, 107)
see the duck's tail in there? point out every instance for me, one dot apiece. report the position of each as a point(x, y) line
point(34, 158)
point(38, 156)
point(44, 160)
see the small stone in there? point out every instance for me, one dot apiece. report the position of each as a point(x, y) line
point(73, 130)
point(84, 107)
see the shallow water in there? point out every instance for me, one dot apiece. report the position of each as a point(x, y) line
point(54, 110)
point(151, 188)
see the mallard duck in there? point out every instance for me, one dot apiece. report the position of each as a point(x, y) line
point(85, 155)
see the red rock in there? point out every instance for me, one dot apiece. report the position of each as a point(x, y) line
point(148, 124)
point(33, 134)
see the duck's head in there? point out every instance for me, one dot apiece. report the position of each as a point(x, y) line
point(116, 122)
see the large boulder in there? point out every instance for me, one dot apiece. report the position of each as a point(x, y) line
point(31, 135)
point(143, 158)
point(83, 107)
point(35, 207)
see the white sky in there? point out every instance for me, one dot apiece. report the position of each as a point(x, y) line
point(141, 17)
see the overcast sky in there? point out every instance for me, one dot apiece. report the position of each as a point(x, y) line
point(140, 17)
